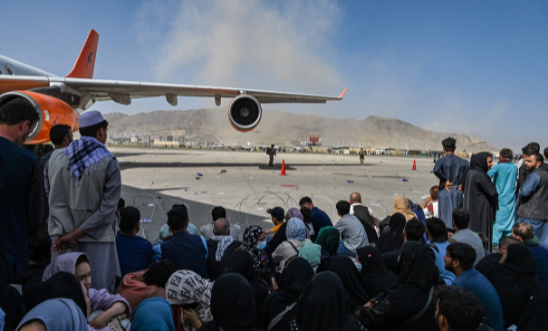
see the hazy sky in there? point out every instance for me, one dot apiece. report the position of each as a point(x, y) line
point(477, 67)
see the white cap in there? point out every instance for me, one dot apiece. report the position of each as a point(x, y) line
point(89, 118)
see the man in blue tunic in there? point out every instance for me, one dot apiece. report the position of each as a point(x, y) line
point(504, 176)
point(450, 171)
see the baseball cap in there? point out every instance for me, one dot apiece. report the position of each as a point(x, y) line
point(89, 118)
point(277, 212)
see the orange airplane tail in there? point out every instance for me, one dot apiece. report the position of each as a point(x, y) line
point(83, 68)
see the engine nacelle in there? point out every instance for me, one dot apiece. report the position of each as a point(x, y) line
point(244, 113)
point(51, 111)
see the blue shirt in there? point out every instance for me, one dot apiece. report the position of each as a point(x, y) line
point(530, 186)
point(447, 275)
point(157, 250)
point(540, 252)
point(482, 288)
point(134, 253)
point(319, 220)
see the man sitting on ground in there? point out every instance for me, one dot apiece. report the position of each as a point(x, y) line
point(454, 303)
point(217, 213)
point(459, 259)
point(525, 234)
point(318, 217)
point(413, 231)
point(461, 218)
point(352, 231)
point(277, 215)
point(134, 252)
point(186, 251)
point(220, 248)
point(366, 216)
point(437, 235)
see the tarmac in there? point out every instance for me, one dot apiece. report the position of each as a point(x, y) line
point(241, 182)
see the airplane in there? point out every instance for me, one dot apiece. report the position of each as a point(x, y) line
point(60, 100)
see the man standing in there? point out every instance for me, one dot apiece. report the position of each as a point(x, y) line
point(83, 183)
point(60, 136)
point(362, 156)
point(366, 216)
point(352, 232)
point(504, 176)
point(450, 171)
point(22, 196)
point(271, 152)
point(533, 197)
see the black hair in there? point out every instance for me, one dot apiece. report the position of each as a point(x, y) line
point(177, 218)
point(91, 131)
point(539, 157)
point(507, 241)
point(58, 132)
point(414, 230)
point(506, 153)
point(158, 274)
point(484, 240)
point(130, 217)
point(81, 259)
point(528, 151)
point(546, 153)
point(18, 110)
point(343, 207)
point(449, 144)
point(463, 253)
point(218, 212)
point(39, 248)
point(460, 307)
point(461, 218)
point(535, 146)
point(121, 203)
point(524, 230)
point(437, 230)
point(304, 200)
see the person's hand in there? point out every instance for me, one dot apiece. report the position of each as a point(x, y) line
point(449, 234)
point(191, 318)
point(460, 187)
point(63, 243)
point(121, 316)
point(428, 199)
point(274, 285)
point(100, 321)
point(369, 304)
point(448, 185)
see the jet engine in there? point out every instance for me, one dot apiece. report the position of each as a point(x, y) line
point(51, 111)
point(244, 113)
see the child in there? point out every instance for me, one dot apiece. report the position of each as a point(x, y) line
point(277, 214)
point(431, 210)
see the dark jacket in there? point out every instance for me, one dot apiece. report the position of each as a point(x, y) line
point(214, 267)
point(187, 252)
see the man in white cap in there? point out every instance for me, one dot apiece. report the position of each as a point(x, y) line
point(83, 184)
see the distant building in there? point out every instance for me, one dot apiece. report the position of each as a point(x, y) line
point(169, 138)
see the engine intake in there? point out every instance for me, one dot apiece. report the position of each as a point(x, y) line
point(244, 113)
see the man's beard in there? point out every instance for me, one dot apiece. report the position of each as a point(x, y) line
point(449, 268)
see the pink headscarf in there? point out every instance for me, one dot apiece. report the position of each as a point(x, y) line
point(65, 262)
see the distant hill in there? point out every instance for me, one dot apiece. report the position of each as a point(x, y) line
point(278, 127)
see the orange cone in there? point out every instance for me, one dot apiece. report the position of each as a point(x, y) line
point(414, 166)
point(283, 169)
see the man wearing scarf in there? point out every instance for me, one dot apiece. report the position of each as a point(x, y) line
point(504, 176)
point(220, 248)
point(450, 171)
point(83, 184)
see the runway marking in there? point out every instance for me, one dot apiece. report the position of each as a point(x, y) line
point(288, 185)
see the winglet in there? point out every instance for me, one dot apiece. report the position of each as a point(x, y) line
point(83, 68)
point(343, 92)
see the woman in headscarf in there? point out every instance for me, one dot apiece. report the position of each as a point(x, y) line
point(323, 306)
point(515, 279)
point(329, 238)
point(480, 195)
point(153, 314)
point(375, 275)
point(60, 285)
point(55, 315)
point(401, 206)
point(112, 306)
point(294, 279)
point(351, 279)
point(296, 238)
point(409, 304)
point(313, 254)
point(253, 235)
point(534, 317)
point(393, 240)
point(232, 303)
point(280, 237)
point(189, 294)
point(242, 263)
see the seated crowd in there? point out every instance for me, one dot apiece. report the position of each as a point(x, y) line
point(86, 269)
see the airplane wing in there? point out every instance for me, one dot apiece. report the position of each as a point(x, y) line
point(124, 91)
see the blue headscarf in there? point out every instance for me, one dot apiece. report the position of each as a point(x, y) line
point(295, 229)
point(59, 315)
point(153, 314)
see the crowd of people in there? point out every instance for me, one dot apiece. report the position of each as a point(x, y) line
point(70, 257)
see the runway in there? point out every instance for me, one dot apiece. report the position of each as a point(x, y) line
point(155, 179)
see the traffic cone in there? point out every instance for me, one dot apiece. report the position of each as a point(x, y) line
point(283, 169)
point(414, 166)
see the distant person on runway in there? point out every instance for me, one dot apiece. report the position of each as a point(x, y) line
point(362, 156)
point(271, 152)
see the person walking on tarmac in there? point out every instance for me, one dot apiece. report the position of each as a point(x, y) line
point(362, 156)
point(271, 152)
